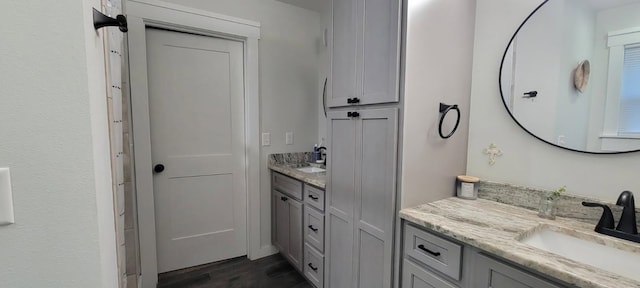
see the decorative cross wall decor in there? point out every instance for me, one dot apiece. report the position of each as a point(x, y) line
point(493, 151)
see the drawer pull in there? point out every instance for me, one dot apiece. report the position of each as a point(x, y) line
point(284, 198)
point(313, 229)
point(435, 254)
point(313, 197)
point(313, 268)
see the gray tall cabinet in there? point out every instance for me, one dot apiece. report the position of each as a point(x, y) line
point(362, 137)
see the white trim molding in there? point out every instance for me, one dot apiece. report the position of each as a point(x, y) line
point(152, 13)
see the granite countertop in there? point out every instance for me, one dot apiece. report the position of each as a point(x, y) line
point(496, 228)
point(315, 179)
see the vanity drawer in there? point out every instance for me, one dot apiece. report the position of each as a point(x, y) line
point(314, 228)
point(414, 276)
point(314, 197)
point(433, 251)
point(287, 185)
point(313, 266)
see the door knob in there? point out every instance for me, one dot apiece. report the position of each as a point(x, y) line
point(158, 168)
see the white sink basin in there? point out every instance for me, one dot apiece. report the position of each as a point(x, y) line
point(587, 249)
point(311, 169)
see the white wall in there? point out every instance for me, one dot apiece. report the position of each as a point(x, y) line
point(526, 160)
point(572, 114)
point(288, 78)
point(439, 48)
point(324, 66)
point(55, 140)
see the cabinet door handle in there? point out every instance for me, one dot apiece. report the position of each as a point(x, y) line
point(313, 268)
point(353, 100)
point(353, 114)
point(313, 229)
point(313, 197)
point(421, 247)
point(284, 198)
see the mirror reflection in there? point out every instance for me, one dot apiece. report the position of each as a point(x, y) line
point(571, 75)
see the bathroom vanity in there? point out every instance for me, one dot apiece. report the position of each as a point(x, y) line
point(298, 219)
point(481, 243)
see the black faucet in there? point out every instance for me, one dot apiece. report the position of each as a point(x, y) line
point(627, 228)
point(627, 222)
point(320, 149)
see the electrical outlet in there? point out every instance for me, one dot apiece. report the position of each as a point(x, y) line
point(288, 138)
point(266, 139)
point(562, 140)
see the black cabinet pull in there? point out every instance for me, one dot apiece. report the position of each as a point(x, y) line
point(284, 198)
point(421, 247)
point(353, 114)
point(313, 229)
point(313, 268)
point(354, 100)
point(313, 197)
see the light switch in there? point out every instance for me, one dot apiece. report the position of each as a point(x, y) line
point(266, 139)
point(6, 198)
point(288, 138)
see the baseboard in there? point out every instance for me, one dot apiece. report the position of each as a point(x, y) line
point(264, 251)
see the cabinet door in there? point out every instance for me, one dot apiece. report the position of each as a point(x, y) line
point(378, 61)
point(340, 196)
point(281, 240)
point(376, 142)
point(414, 276)
point(342, 41)
point(490, 273)
point(295, 233)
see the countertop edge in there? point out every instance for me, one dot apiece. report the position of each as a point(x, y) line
point(309, 178)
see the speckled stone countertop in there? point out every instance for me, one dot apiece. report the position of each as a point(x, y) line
point(287, 163)
point(497, 228)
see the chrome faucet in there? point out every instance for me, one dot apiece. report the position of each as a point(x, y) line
point(627, 227)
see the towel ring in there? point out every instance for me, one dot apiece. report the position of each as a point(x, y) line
point(444, 109)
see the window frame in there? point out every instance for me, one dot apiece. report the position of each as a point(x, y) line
point(611, 138)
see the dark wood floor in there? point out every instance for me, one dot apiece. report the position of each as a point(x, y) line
point(269, 272)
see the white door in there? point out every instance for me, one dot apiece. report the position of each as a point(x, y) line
point(196, 100)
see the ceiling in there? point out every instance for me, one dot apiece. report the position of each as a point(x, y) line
point(314, 5)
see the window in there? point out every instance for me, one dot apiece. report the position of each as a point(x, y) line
point(621, 131)
point(629, 116)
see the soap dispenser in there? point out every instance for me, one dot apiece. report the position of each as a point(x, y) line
point(315, 154)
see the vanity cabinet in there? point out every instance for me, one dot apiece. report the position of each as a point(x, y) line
point(360, 198)
point(364, 38)
point(288, 228)
point(298, 225)
point(433, 260)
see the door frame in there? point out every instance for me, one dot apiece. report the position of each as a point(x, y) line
point(142, 14)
